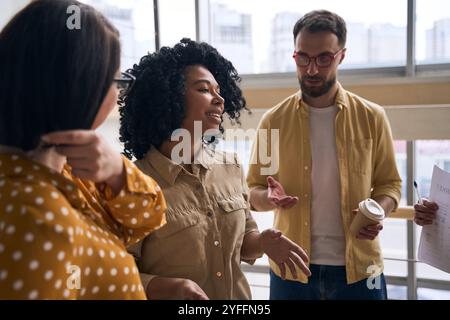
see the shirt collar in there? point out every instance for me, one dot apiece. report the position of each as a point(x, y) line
point(169, 169)
point(206, 157)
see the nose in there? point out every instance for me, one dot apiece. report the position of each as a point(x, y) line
point(218, 100)
point(312, 69)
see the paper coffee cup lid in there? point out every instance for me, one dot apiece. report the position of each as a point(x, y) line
point(371, 209)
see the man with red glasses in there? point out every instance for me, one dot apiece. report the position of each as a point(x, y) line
point(335, 149)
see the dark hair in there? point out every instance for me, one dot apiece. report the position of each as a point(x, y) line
point(322, 20)
point(155, 107)
point(53, 77)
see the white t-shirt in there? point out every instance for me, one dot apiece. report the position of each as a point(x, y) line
point(327, 231)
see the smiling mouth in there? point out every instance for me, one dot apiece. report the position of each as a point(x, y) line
point(214, 115)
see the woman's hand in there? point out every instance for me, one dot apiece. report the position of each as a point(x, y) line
point(90, 156)
point(283, 251)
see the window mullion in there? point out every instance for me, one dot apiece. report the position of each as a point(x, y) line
point(411, 39)
point(157, 27)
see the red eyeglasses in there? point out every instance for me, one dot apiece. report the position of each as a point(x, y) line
point(323, 60)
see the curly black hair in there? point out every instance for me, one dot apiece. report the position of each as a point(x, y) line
point(155, 107)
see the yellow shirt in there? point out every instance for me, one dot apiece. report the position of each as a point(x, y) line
point(207, 218)
point(366, 162)
point(63, 238)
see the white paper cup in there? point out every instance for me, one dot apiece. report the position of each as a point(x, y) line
point(370, 212)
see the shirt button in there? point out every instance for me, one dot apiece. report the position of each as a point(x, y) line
point(216, 243)
point(306, 168)
point(305, 195)
point(218, 274)
point(306, 223)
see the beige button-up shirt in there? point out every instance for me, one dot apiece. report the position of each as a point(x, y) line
point(207, 217)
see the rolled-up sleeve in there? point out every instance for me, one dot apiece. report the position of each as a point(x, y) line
point(139, 208)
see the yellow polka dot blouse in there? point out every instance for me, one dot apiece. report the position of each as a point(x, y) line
point(66, 238)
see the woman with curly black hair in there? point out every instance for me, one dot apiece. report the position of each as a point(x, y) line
point(157, 106)
point(187, 89)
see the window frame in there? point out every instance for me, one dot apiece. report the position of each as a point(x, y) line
point(410, 71)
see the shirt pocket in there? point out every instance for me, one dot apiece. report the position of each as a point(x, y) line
point(361, 156)
point(232, 204)
point(232, 216)
point(181, 240)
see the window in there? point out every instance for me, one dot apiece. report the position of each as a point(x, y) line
point(433, 294)
point(428, 154)
point(257, 35)
point(400, 157)
point(177, 21)
point(393, 242)
point(134, 20)
point(393, 238)
point(446, 165)
point(433, 31)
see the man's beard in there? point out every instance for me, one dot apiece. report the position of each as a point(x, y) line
point(315, 92)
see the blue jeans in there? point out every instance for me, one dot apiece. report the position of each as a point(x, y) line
point(326, 283)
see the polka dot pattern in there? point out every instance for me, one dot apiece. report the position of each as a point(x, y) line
point(57, 230)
